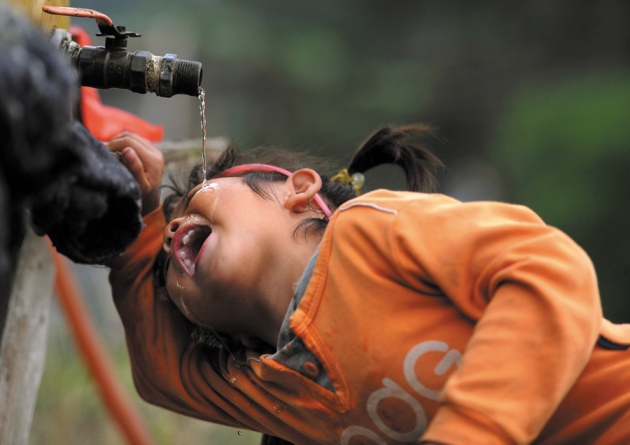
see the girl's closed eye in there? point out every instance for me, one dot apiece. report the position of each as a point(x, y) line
point(188, 197)
point(181, 207)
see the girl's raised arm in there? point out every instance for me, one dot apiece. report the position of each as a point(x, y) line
point(146, 164)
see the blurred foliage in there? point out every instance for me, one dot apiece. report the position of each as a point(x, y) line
point(531, 98)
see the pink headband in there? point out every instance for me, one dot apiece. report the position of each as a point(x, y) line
point(269, 168)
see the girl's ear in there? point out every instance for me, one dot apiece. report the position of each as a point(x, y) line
point(302, 186)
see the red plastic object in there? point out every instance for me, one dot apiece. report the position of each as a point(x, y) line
point(106, 122)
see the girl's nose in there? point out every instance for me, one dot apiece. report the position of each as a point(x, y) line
point(169, 232)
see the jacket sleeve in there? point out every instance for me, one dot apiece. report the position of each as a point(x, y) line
point(531, 293)
point(169, 369)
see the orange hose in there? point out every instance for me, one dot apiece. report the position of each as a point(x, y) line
point(95, 355)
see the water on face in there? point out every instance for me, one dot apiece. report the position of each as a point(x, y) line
point(202, 113)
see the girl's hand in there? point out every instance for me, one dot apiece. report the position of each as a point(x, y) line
point(146, 164)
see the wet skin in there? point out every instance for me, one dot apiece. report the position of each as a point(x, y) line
point(234, 257)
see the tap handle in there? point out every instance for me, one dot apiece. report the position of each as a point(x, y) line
point(105, 24)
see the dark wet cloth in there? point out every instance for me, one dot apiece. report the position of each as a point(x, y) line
point(94, 213)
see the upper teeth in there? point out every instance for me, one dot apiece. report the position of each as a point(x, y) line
point(182, 252)
point(187, 237)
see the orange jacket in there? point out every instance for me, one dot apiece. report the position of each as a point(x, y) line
point(431, 319)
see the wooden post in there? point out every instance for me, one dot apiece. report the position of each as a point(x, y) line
point(23, 341)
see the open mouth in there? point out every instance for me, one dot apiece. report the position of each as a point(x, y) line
point(187, 244)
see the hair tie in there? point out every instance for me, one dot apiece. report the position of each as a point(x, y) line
point(356, 180)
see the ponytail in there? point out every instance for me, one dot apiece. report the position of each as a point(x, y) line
point(388, 145)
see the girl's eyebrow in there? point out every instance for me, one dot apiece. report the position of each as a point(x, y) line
point(189, 196)
point(181, 204)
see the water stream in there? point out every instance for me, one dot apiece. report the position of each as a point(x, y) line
point(202, 113)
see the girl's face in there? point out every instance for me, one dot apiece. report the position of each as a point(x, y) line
point(226, 245)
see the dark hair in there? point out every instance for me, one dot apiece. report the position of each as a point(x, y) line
point(401, 146)
point(388, 145)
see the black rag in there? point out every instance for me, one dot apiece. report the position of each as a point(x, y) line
point(93, 213)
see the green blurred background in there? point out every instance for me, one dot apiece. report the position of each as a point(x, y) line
point(530, 97)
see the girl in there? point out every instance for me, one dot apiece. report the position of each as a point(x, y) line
point(285, 303)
